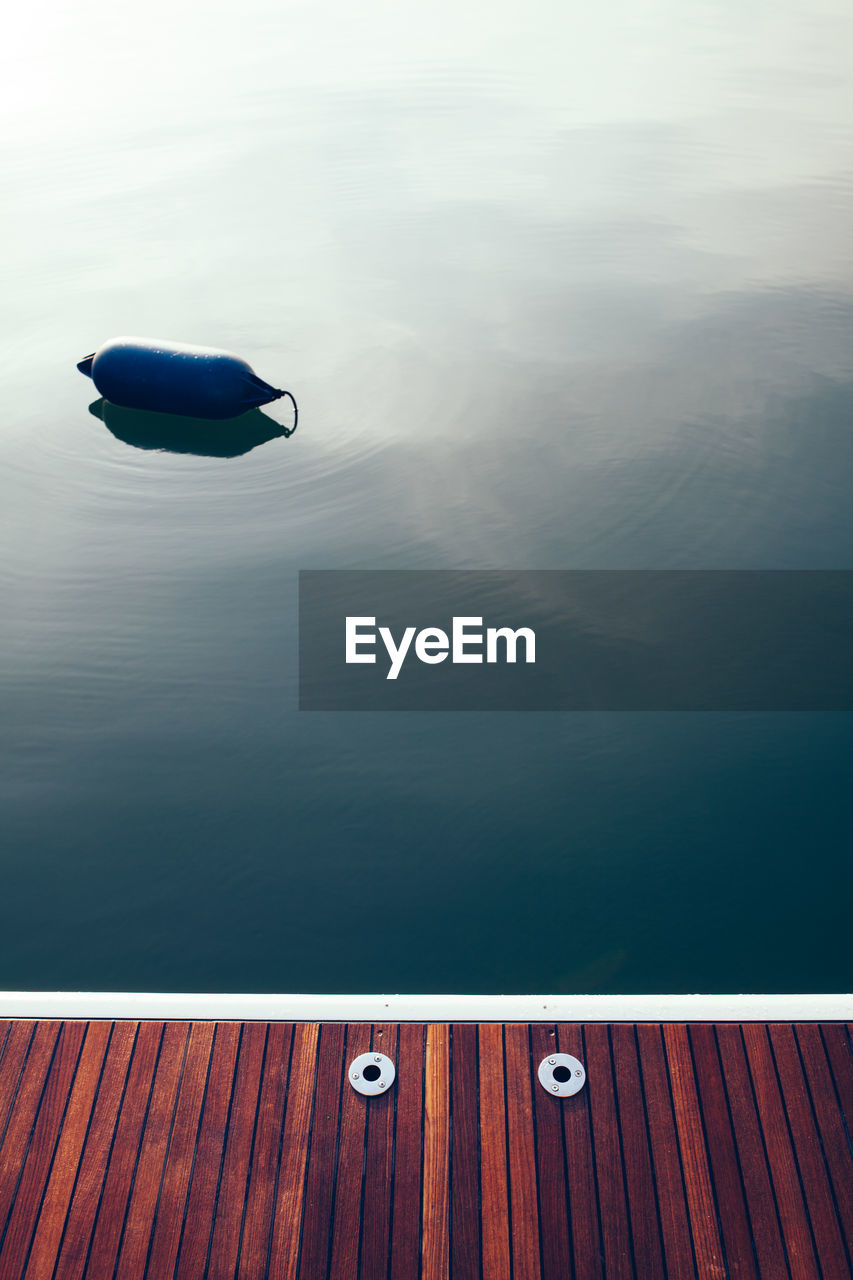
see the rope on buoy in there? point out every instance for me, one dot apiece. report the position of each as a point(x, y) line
point(291, 397)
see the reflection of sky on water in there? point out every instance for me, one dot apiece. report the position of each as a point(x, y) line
point(555, 287)
point(695, 152)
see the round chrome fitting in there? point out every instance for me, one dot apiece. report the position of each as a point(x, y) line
point(371, 1073)
point(561, 1075)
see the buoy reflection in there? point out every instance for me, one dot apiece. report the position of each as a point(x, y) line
point(169, 433)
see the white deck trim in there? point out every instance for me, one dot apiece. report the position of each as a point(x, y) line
point(425, 1008)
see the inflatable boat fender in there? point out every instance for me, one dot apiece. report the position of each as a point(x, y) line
point(174, 377)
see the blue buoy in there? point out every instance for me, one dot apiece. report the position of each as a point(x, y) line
point(173, 377)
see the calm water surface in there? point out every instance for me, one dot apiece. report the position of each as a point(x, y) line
point(556, 287)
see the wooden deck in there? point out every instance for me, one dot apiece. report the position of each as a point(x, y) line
point(238, 1150)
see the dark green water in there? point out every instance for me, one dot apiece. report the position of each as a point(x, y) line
point(555, 289)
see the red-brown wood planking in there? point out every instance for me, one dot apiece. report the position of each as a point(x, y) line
point(238, 1150)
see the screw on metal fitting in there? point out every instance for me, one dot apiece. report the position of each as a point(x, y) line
point(371, 1073)
point(561, 1074)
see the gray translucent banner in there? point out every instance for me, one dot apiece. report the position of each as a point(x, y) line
point(581, 640)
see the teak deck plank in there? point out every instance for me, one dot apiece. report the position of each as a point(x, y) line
point(231, 1199)
point(83, 1209)
point(642, 1198)
point(207, 1162)
point(121, 1162)
point(584, 1214)
point(148, 1177)
point(24, 1096)
point(554, 1220)
point(174, 1188)
point(805, 1137)
point(840, 1054)
point(722, 1151)
point(295, 1139)
point(435, 1195)
point(378, 1167)
point(183, 1151)
point(261, 1189)
point(755, 1171)
point(666, 1163)
point(494, 1188)
point(834, 1138)
point(349, 1171)
point(701, 1203)
point(15, 1053)
point(607, 1146)
point(522, 1154)
point(375, 1207)
point(57, 1197)
point(54, 1099)
point(465, 1147)
point(408, 1148)
point(793, 1215)
point(322, 1160)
